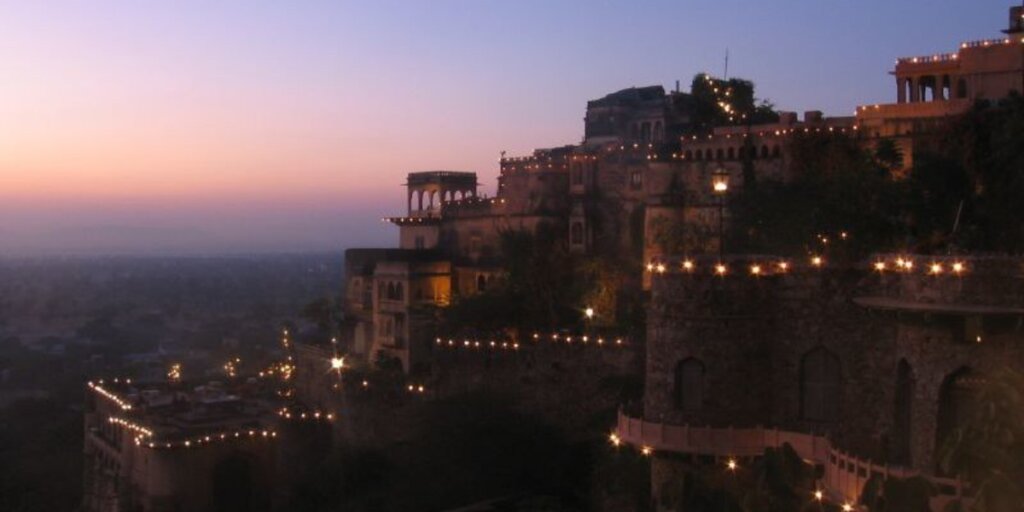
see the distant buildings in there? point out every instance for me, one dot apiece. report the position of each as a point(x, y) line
point(155, 447)
point(648, 158)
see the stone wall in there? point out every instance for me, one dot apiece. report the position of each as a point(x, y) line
point(752, 334)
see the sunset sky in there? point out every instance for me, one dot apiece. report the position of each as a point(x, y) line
point(209, 127)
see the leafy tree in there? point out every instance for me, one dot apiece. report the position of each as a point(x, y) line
point(988, 450)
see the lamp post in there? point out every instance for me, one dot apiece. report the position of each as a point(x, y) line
point(720, 186)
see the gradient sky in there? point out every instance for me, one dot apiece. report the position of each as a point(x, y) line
point(192, 127)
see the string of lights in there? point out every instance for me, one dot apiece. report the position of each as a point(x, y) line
point(902, 264)
point(199, 441)
point(299, 414)
point(490, 344)
point(98, 388)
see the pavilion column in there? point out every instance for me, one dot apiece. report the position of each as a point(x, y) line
point(915, 89)
point(901, 90)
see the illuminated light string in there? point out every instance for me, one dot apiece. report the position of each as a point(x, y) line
point(731, 464)
point(130, 425)
point(487, 344)
point(209, 439)
point(416, 388)
point(174, 374)
point(98, 388)
point(298, 415)
point(231, 367)
point(474, 344)
point(900, 264)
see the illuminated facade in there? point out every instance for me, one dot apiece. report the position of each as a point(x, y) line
point(168, 448)
point(643, 167)
point(930, 89)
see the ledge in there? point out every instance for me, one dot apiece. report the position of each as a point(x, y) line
point(886, 303)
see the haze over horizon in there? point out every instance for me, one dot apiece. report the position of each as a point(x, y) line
point(187, 127)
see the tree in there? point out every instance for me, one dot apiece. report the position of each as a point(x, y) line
point(988, 451)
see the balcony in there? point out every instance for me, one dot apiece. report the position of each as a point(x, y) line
point(844, 476)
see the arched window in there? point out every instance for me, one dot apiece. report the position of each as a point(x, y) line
point(764, 151)
point(391, 291)
point(732, 153)
point(776, 151)
point(700, 155)
point(720, 154)
point(688, 389)
point(576, 233)
point(956, 403)
point(819, 385)
point(481, 283)
point(658, 132)
point(901, 421)
point(689, 154)
point(399, 292)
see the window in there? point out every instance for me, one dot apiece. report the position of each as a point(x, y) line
point(636, 180)
point(419, 242)
point(820, 385)
point(576, 233)
point(481, 283)
point(901, 424)
point(957, 404)
point(689, 385)
point(577, 174)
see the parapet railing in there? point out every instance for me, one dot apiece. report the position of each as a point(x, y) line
point(845, 475)
point(942, 57)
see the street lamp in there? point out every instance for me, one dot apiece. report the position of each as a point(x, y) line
point(720, 186)
point(589, 312)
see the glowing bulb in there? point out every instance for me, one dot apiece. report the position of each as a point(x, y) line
point(720, 269)
point(817, 261)
point(614, 438)
point(755, 269)
point(818, 495)
point(338, 362)
point(589, 312)
point(660, 268)
point(958, 267)
point(847, 507)
point(731, 464)
point(646, 450)
point(688, 265)
point(880, 266)
point(783, 266)
point(935, 268)
point(721, 186)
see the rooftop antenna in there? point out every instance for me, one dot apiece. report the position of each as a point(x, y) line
point(726, 75)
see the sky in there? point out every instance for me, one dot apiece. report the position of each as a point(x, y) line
point(197, 127)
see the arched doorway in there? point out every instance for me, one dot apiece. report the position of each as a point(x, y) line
point(902, 407)
point(233, 484)
point(956, 404)
point(689, 385)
